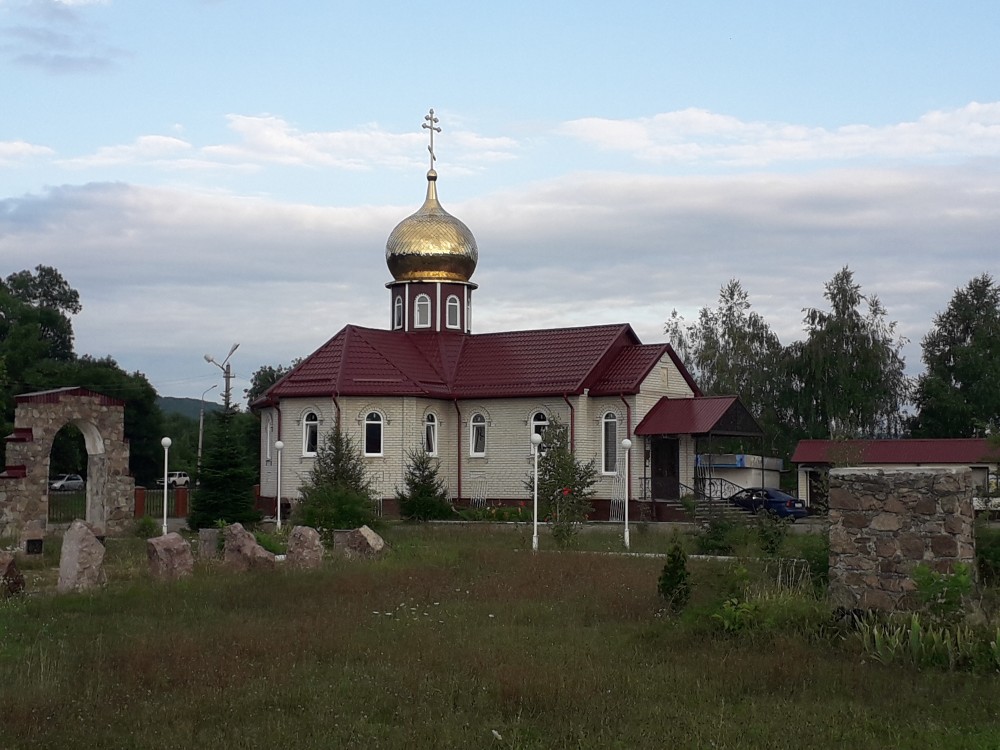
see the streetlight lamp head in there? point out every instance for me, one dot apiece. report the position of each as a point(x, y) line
point(626, 443)
point(279, 446)
point(209, 358)
point(233, 349)
point(166, 442)
point(536, 439)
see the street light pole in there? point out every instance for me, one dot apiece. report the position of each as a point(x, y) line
point(201, 428)
point(227, 372)
point(536, 441)
point(279, 446)
point(166, 474)
point(627, 445)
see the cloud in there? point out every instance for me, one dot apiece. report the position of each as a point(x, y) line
point(11, 151)
point(167, 275)
point(697, 136)
point(57, 40)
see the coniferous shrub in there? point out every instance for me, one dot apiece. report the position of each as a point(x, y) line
point(225, 492)
point(423, 497)
point(337, 493)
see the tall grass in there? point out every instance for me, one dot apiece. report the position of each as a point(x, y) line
point(457, 634)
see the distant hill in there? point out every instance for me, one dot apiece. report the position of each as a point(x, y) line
point(188, 407)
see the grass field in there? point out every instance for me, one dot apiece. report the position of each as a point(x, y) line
point(460, 638)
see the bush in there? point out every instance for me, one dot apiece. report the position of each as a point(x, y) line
point(423, 497)
point(334, 506)
point(337, 494)
point(273, 543)
point(714, 538)
point(771, 532)
point(146, 528)
point(673, 585)
point(942, 594)
point(988, 553)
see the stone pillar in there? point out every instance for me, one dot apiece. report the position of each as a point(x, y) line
point(885, 522)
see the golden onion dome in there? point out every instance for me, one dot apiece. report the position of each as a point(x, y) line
point(431, 245)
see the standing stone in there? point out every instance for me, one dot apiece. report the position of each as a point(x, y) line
point(208, 544)
point(81, 565)
point(305, 550)
point(170, 557)
point(11, 579)
point(242, 552)
point(364, 542)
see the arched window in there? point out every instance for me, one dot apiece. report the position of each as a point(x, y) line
point(609, 440)
point(397, 313)
point(539, 421)
point(310, 434)
point(431, 435)
point(454, 312)
point(422, 311)
point(268, 437)
point(373, 434)
point(477, 436)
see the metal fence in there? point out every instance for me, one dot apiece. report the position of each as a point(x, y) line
point(65, 507)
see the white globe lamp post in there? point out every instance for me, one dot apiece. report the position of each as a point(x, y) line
point(627, 445)
point(279, 446)
point(166, 474)
point(536, 441)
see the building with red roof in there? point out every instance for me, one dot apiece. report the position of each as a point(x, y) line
point(815, 457)
point(473, 401)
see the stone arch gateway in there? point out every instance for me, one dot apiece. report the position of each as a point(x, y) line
point(38, 417)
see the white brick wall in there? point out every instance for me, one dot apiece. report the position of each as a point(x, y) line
point(507, 462)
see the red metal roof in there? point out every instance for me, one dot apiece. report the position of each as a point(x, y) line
point(723, 415)
point(963, 451)
point(54, 396)
point(372, 362)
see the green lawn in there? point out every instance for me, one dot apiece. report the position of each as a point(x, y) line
point(457, 634)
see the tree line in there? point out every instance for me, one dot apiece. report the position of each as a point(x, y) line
point(37, 353)
point(846, 378)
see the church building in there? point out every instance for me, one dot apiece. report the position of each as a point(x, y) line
point(473, 400)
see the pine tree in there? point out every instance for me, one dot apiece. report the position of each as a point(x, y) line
point(423, 497)
point(225, 492)
point(337, 493)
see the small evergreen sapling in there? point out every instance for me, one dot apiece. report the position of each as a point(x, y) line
point(673, 585)
point(423, 497)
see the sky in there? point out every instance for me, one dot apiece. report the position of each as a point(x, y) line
point(211, 172)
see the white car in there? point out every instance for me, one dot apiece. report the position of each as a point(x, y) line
point(67, 483)
point(176, 479)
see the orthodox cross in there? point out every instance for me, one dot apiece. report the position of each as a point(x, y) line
point(431, 125)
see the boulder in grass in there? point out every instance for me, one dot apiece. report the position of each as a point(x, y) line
point(242, 552)
point(81, 565)
point(208, 544)
point(170, 557)
point(11, 579)
point(305, 549)
point(364, 542)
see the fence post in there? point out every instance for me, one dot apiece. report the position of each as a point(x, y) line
point(181, 502)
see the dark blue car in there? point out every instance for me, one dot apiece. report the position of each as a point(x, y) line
point(769, 500)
